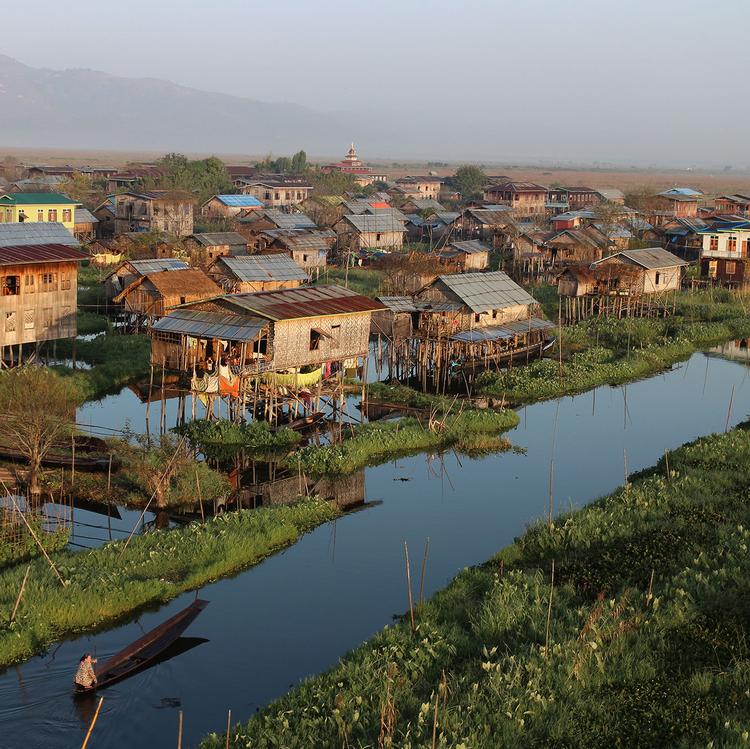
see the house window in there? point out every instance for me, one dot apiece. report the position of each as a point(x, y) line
point(315, 340)
point(48, 282)
point(52, 214)
point(378, 236)
point(11, 285)
point(67, 215)
point(28, 282)
point(304, 258)
point(28, 319)
point(730, 268)
point(182, 300)
point(47, 318)
point(65, 281)
point(746, 248)
point(657, 278)
point(10, 322)
point(731, 244)
point(335, 335)
point(477, 317)
point(276, 196)
point(494, 314)
point(712, 268)
point(40, 215)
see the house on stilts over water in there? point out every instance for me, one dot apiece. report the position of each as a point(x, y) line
point(457, 326)
point(276, 354)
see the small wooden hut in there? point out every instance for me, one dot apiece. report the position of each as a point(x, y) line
point(253, 273)
point(148, 297)
point(128, 270)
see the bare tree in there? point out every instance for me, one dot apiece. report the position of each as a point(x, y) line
point(37, 409)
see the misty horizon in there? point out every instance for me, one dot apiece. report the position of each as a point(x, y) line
point(543, 84)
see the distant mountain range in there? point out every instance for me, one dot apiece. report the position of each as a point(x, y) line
point(81, 108)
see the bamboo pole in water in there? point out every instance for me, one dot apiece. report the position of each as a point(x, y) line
point(229, 722)
point(93, 723)
point(424, 567)
point(729, 411)
point(20, 594)
point(179, 732)
point(408, 585)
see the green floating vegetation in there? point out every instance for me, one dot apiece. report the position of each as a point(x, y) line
point(612, 352)
point(469, 431)
point(89, 323)
point(641, 640)
point(115, 361)
point(104, 585)
point(221, 439)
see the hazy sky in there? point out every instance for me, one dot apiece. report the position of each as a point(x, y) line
point(641, 80)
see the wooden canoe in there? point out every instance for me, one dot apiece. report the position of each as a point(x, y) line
point(144, 650)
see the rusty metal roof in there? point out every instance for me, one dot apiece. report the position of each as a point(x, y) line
point(310, 301)
point(39, 253)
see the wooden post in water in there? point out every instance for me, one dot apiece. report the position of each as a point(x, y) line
point(93, 723)
point(229, 721)
point(73, 463)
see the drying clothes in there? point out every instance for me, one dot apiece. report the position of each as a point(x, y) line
point(229, 387)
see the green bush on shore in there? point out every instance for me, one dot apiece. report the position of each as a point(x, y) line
point(369, 444)
point(642, 640)
point(104, 586)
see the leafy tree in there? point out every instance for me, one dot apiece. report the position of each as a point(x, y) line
point(468, 180)
point(37, 409)
point(299, 162)
point(80, 187)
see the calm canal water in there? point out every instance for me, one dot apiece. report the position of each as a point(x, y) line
point(300, 610)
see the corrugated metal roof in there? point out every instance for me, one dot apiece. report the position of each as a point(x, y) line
point(650, 258)
point(38, 198)
point(447, 217)
point(290, 220)
point(212, 239)
point(685, 192)
point(507, 330)
point(211, 325)
point(39, 253)
point(239, 201)
point(30, 232)
point(154, 265)
point(303, 241)
point(375, 222)
point(492, 216)
point(471, 246)
point(264, 268)
point(482, 292)
point(310, 301)
point(84, 216)
point(398, 303)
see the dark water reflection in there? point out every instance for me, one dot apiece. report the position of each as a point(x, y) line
point(302, 609)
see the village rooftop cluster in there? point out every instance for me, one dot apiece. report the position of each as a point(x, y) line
point(254, 280)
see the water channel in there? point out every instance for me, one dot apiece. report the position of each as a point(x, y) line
point(299, 611)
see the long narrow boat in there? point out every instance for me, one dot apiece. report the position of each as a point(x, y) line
point(145, 649)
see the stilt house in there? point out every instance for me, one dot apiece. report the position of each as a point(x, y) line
point(127, 271)
point(38, 294)
point(270, 331)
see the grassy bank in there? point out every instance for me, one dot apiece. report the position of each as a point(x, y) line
point(469, 431)
point(362, 280)
point(599, 352)
point(642, 640)
point(102, 586)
